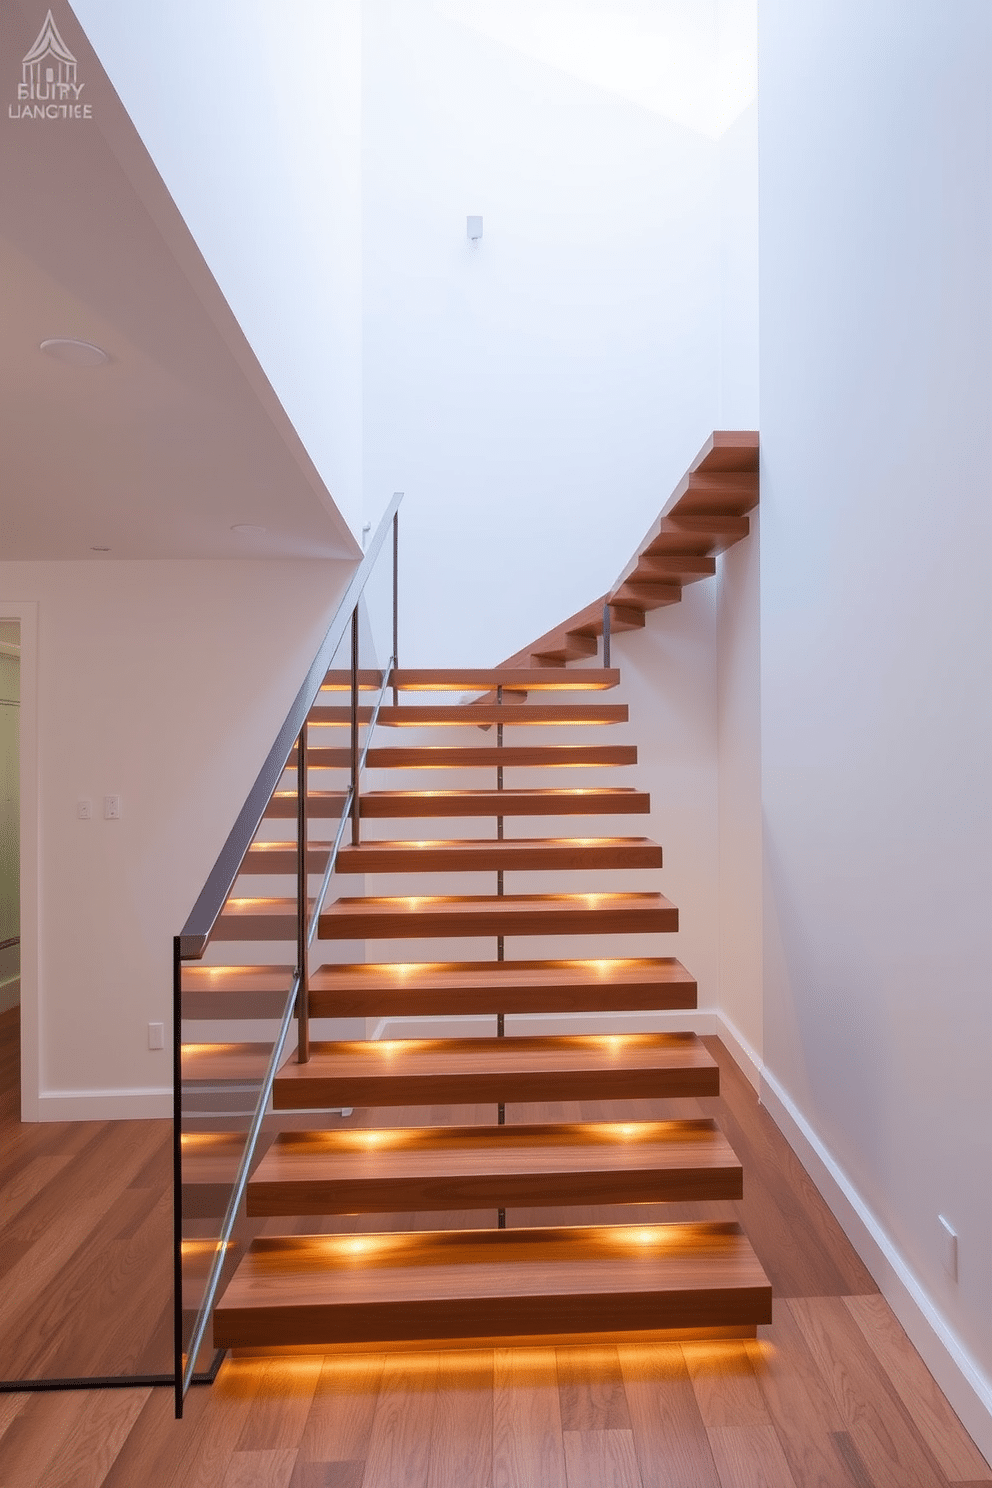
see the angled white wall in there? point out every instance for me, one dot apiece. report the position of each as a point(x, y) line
point(876, 626)
point(252, 114)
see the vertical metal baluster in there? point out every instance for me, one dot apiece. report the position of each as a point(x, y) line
point(396, 601)
point(500, 1019)
point(606, 632)
point(355, 829)
point(302, 902)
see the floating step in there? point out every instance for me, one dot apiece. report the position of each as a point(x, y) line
point(257, 919)
point(442, 1071)
point(461, 1284)
point(421, 916)
point(235, 991)
point(478, 679)
point(526, 679)
point(440, 757)
point(648, 594)
point(685, 567)
point(461, 988)
point(481, 855)
point(411, 1169)
point(465, 715)
point(719, 531)
point(319, 804)
point(281, 857)
point(611, 800)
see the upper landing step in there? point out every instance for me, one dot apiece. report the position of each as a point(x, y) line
point(479, 679)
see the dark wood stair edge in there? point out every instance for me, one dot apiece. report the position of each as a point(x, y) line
point(730, 452)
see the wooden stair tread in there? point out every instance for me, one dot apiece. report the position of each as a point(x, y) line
point(429, 1168)
point(511, 756)
point(422, 715)
point(476, 1283)
point(524, 986)
point(506, 914)
point(235, 991)
point(427, 1071)
point(541, 801)
point(263, 918)
point(481, 679)
point(479, 855)
point(281, 857)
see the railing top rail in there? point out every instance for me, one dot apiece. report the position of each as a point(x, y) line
point(196, 931)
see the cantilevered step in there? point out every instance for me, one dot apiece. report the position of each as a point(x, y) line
point(477, 1167)
point(235, 991)
point(441, 757)
point(442, 1071)
point(281, 857)
point(423, 715)
point(478, 679)
point(481, 855)
point(462, 1284)
point(465, 987)
point(611, 800)
point(257, 919)
point(421, 916)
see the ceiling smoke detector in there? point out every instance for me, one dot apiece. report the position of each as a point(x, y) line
point(75, 353)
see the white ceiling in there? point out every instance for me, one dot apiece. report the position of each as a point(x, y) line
point(161, 452)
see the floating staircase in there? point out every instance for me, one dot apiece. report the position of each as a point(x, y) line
point(444, 1128)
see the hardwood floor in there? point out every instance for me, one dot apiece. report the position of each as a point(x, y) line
point(831, 1394)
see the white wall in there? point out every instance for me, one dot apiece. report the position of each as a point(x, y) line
point(164, 682)
point(876, 624)
point(251, 111)
point(537, 396)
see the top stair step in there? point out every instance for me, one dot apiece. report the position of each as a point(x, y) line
point(479, 679)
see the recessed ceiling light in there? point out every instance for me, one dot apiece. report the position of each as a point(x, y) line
point(248, 529)
point(75, 353)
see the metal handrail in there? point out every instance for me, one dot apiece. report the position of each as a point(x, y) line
point(197, 930)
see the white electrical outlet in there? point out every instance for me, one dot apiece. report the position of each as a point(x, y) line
point(84, 809)
point(948, 1247)
point(156, 1035)
point(112, 808)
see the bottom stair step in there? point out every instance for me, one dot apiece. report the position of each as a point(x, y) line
point(461, 1284)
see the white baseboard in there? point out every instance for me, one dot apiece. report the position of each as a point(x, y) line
point(104, 1105)
point(966, 1386)
point(746, 1059)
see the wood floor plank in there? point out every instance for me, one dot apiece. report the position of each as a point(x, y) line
point(261, 1469)
point(347, 1474)
point(87, 1452)
point(527, 1435)
point(590, 1386)
point(339, 1422)
point(800, 1404)
point(29, 1182)
point(883, 1432)
point(920, 1394)
point(673, 1449)
point(282, 1405)
point(601, 1459)
point(750, 1457)
point(399, 1444)
point(725, 1385)
point(157, 1444)
point(462, 1440)
point(36, 1436)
